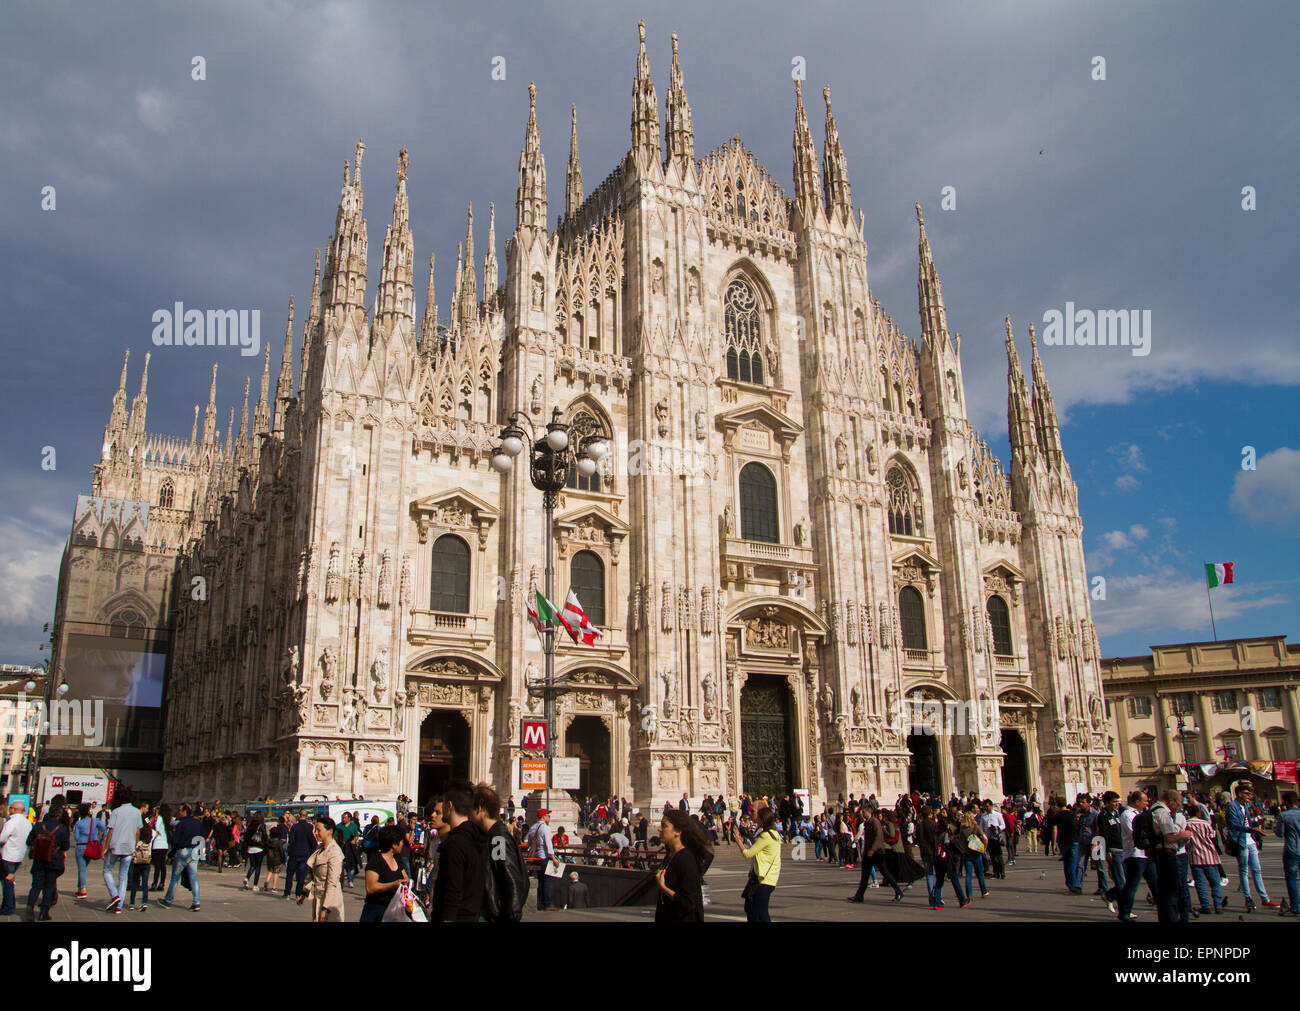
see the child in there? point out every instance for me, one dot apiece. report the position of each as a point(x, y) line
point(141, 861)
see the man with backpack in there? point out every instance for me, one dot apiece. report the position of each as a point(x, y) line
point(506, 883)
point(1136, 832)
point(1167, 840)
point(48, 841)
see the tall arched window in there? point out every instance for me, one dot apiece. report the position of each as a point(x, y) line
point(166, 494)
point(587, 580)
point(1000, 619)
point(583, 424)
point(758, 515)
point(743, 321)
point(450, 583)
point(911, 618)
point(903, 516)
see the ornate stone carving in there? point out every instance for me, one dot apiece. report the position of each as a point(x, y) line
point(856, 704)
point(766, 633)
point(661, 415)
point(384, 593)
point(404, 591)
point(379, 676)
point(706, 611)
point(328, 665)
point(709, 692)
point(667, 607)
point(291, 666)
point(669, 693)
point(333, 575)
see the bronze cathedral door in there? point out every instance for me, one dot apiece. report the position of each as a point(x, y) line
point(765, 737)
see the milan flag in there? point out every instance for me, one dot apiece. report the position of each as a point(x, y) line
point(575, 617)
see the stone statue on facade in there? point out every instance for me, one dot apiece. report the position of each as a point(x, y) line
point(670, 708)
point(709, 691)
point(859, 710)
point(379, 676)
point(328, 664)
point(291, 666)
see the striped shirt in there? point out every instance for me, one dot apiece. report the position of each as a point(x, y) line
point(1203, 853)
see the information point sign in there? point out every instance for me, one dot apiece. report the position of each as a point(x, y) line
point(532, 774)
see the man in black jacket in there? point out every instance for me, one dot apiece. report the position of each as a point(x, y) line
point(462, 860)
point(506, 882)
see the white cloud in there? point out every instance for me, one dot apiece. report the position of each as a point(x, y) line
point(1117, 540)
point(1138, 532)
point(29, 570)
point(1171, 601)
point(1126, 482)
point(154, 110)
point(1271, 492)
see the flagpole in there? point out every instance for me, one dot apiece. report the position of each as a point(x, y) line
point(1210, 601)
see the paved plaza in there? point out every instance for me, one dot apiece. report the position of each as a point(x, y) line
point(809, 891)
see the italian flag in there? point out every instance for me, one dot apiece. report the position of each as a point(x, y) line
point(574, 615)
point(1218, 574)
point(544, 612)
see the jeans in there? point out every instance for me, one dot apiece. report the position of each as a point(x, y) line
point(185, 862)
point(1209, 884)
point(1184, 892)
point(297, 867)
point(7, 907)
point(995, 858)
point(756, 905)
point(1070, 860)
point(1291, 870)
point(975, 862)
point(140, 882)
point(45, 883)
point(373, 912)
point(1168, 887)
point(79, 851)
point(158, 868)
point(1134, 871)
point(544, 891)
point(255, 867)
point(947, 868)
point(1116, 866)
point(117, 868)
point(1248, 867)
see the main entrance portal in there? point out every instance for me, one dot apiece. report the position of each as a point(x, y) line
point(444, 753)
point(1015, 768)
point(923, 765)
point(765, 737)
point(587, 740)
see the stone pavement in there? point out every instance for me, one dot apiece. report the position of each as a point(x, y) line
point(1034, 890)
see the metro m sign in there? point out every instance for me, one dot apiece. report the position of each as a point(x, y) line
point(534, 734)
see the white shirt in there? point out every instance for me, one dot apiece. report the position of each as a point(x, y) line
point(124, 823)
point(1126, 832)
point(159, 833)
point(991, 818)
point(13, 838)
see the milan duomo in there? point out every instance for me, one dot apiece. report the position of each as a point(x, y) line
point(797, 529)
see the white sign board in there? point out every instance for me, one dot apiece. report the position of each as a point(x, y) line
point(1072, 790)
point(364, 810)
point(566, 773)
point(805, 799)
point(94, 788)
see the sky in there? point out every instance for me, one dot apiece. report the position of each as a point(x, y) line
point(1111, 184)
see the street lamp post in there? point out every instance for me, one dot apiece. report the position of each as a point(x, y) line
point(1182, 740)
point(550, 455)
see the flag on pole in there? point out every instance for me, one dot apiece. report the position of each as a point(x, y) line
point(1218, 574)
point(543, 612)
point(575, 615)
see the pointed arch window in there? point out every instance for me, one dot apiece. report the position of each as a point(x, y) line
point(743, 321)
point(911, 618)
point(1000, 619)
point(904, 517)
point(166, 495)
point(450, 583)
point(583, 424)
point(587, 580)
point(758, 513)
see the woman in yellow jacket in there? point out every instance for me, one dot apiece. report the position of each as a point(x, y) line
point(766, 869)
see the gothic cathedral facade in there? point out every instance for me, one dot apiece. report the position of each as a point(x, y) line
point(797, 529)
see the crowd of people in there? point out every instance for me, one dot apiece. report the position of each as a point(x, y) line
point(471, 857)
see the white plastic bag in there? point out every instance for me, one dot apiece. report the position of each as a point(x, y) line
point(404, 899)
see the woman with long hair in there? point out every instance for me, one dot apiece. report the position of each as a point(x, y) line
point(257, 841)
point(976, 845)
point(84, 830)
point(160, 823)
point(324, 875)
point(681, 899)
point(276, 838)
point(766, 867)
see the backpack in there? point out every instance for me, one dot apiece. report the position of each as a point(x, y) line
point(142, 853)
point(45, 844)
point(1144, 831)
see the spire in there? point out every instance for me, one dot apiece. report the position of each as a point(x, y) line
point(645, 108)
point(243, 415)
point(929, 293)
point(455, 295)
point(429, 326)
point(1020, 429)
point(194, 429)
point(807, 185)
point(396, 300)
point(309, 328)
point(491, 275)
point(140, 405)
point(681, 135)
point(530, 198)
point(469, 278)
point(573, 177)
point(1048, 429)
point(262, 415)
point(230, 426)
point(838, 199)
point(210, 415)
point(346, 266)
point(284, 383)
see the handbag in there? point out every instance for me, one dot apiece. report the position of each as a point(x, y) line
point(974, 843)
point(94, 847)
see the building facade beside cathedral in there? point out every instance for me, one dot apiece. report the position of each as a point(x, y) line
point(796, 531)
